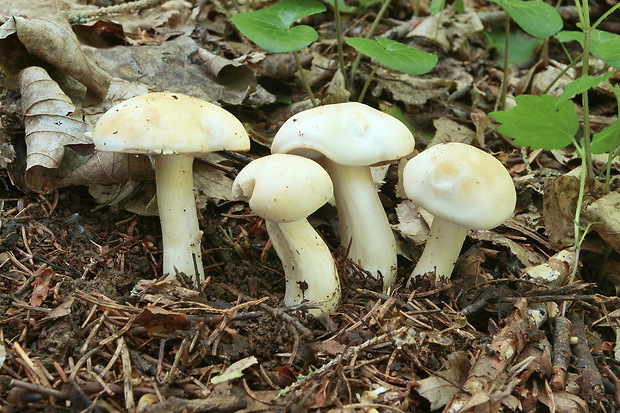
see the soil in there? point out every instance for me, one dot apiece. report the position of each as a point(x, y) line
point(89, 325)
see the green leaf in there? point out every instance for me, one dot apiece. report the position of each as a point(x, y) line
point(522, 45)
point(606, 140)
point(538, 122)
point(270, 28)
point(345, 8)
point(437, 6)
point(537, 18)
point(606, 46)
point(581, 85)
point(395, 55)
point(369, 3)
point(603, 45)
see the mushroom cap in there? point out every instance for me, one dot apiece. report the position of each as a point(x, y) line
point(168, 123)
point(351, 134)
point(461, 184)
point(283, 188)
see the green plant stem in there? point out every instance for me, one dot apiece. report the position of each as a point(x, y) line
point(339, 44)
point(304, 79)
point(587, 30)
point(504, 91)
point(562, 72)
point(612, 154)
point(604, 16)
point(368, 82)
point(584, 151)
point(371, 31)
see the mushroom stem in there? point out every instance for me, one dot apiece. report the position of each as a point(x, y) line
point(178, 217)
point(362, 221)
point(442, 249)
point(309, 267)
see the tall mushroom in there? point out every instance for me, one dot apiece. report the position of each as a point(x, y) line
point(464, 188)
point(173, 128)
point(348, 138)
point(284, 190)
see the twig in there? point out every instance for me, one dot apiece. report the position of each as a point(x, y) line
point(278, 313)
point(351, 352)
point(592, 387)
point(561, 352)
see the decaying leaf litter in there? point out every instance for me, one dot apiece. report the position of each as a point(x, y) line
point(86, 326)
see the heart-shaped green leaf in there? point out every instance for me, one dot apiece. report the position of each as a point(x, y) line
point(270, 28)
point(395, 55)
point(607, 140)
point(536, 18)
point(538, 122)
point(604, 45)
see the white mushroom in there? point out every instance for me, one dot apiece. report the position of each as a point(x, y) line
point(347, 138)
point(464, 188)
point(172, 127)
point(284, 190)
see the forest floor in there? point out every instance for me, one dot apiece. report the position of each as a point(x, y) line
point(87, 326)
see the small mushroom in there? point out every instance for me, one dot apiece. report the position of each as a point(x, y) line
point(284, 190)
point(348, 138)
point(173, 128)
point(464, 188)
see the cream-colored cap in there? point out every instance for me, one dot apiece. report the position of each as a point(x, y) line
point(461, 184)
point(168, 123)
point(351, 134)
point(283, 188)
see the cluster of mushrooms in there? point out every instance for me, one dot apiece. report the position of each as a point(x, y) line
point(319, 154)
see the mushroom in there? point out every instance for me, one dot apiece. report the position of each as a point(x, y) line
point(347, 138)
point(173, 128)
point(464, 188)
point(284, 190)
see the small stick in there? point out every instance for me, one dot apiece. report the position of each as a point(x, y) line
point(592, 387)
point(561, 352)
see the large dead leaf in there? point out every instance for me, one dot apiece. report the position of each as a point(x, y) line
point(606, 212)
point(172, 65)
point(439, 391)
point(51, 122)
point(55, 43)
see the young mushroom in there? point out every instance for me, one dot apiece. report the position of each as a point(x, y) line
point(464, 188)
point(173, 128)
point(284, 190)
point(348, 138)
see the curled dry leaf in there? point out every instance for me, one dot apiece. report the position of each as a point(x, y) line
point(51, 123)
point(55, 42)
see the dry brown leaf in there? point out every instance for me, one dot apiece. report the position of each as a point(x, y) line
point(51, 123)
point(61, 310)
point(41, 285)
point(173, 65)
point(451, 131)
point(439, 391)
point(559, 203)
point(606, 212)
point(55, 42)
point(412, 90)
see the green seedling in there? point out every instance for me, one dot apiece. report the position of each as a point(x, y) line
point(272, 29)
point(603, 45)
point(394, 55)
point(536, 18)
point(539, 122)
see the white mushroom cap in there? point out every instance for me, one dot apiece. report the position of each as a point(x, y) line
point(167, 123)
point(351, 134)
point(283, 188)
point(461, 184)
